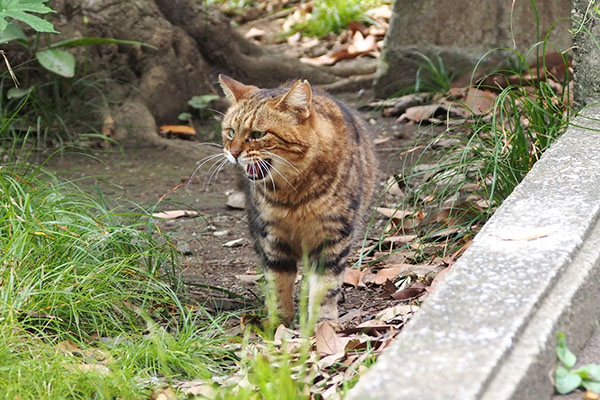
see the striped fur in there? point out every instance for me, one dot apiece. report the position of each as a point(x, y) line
point(311, 168)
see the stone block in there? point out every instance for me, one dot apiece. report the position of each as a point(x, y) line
point(462, 32)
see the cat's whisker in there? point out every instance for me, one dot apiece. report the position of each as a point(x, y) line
point(216, 167)
point(216, 111)
point(219, 170)
point(283, 160)
point(282, 176)
point(264, 164)
point(202, 162)
point(211, 144)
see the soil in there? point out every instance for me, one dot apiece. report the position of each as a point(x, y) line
point(158, 179)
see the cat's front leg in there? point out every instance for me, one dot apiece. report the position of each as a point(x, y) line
point(326, 279)
point(324, 292)
point(280, 276)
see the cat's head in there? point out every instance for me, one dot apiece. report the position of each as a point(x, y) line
point(267, 131)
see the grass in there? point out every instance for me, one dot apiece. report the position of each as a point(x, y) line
point(52, 110)
point(84, 308)
point(465, 172)
point(331, 16)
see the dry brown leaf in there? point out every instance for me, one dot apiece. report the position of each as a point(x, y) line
point(385, 274)
point(283, 333)
point(328, 341)
point(165, 393)
point(379, 141)
point(478, 101)
point(400, 239)
point(393, 188)
point(408, 293)
point(329, 360)
point(419, 113)
point(402, 310)
point(355, 277)
point(589, 395)
point(235, 243)
point(254, 33)
point(401, 104)
point(177, 129)
point(197, 388)
point(249, 278)
point(394, 213)
point(108, 126)
point(173, 214)
point(360, 45)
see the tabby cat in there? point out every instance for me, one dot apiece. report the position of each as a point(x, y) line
point(310, 167)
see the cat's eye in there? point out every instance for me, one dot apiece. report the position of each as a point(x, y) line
point(258, 134)
point(230, 133)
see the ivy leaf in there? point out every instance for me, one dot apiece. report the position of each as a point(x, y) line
point(201, 102)
point(564, 354)
point(12, 32)
point(184, 116)
point(17, 93)
point(590, 371)
point(593, 386)
point(58, 61)
point(565, 380)
point(21, 9)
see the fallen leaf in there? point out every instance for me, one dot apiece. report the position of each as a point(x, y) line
point(249, 278)
point(408, 294)
point(174, 214)
point(419, 113)
point(108, 126)
point(177, 129)
point(393, 188)
point(479, 101)
point(589, 395)
point(402, 310)
point(283, 333)
point(385, 274)
point(379, 141)
point(328, 341)
point(401, 104)
point(254, 33)
point(235, 243)
point(360, 45)
point(403, 239)
point(197, 388)
point(355, 277)
point(165, 393)
point(329, 360)
point(394, 213)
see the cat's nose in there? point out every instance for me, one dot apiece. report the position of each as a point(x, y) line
point(236, 153)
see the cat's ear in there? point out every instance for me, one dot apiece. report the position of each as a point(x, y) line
point(233, 89)
point(298, 98)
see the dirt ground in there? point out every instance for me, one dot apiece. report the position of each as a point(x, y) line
point(222, 277)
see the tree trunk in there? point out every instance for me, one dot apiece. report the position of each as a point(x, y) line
point(193, 44)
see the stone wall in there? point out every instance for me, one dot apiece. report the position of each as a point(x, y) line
point(462, 31)
point(586, 53)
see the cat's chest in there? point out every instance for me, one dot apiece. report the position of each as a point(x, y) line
point(300, 226)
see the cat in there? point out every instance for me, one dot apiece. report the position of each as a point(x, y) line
point(310, 170)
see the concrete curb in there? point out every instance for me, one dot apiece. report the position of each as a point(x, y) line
point(489, 330)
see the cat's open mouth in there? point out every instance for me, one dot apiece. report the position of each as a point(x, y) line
point(258, 170)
